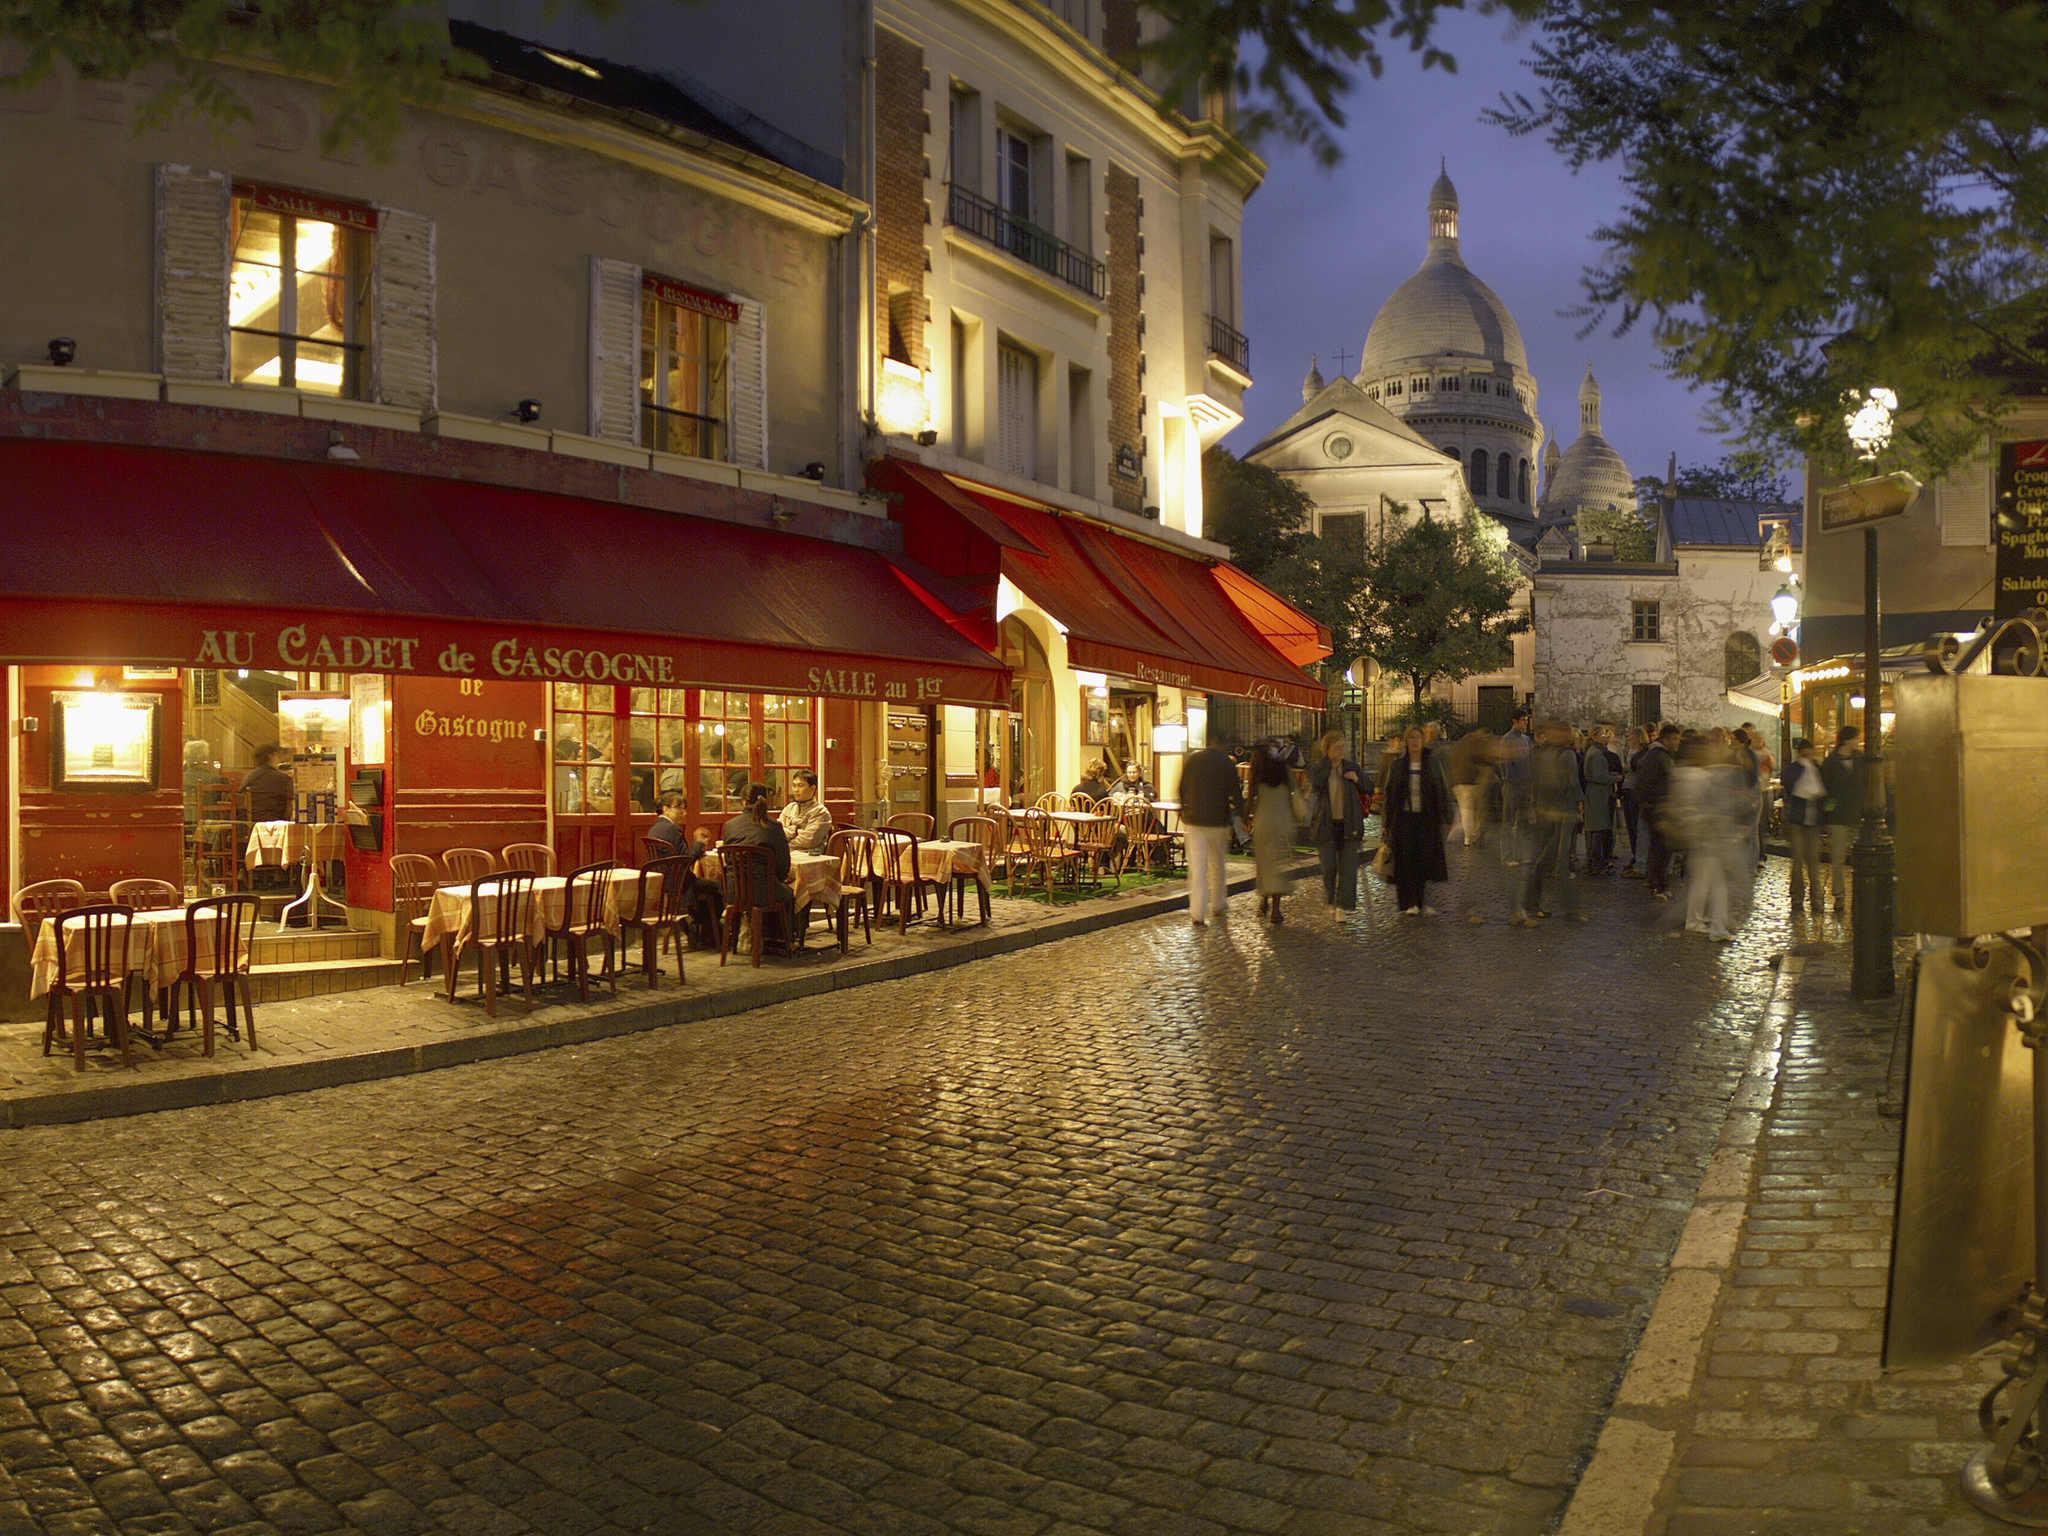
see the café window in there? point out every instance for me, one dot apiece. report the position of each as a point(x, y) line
point(103, 740)
point(299, 291)
point(685, 381)
point(656, 732)
point(785, 740)
point(583, 737)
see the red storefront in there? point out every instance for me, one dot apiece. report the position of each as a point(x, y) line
point(472, 664)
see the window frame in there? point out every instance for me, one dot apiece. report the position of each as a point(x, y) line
point(355, 252)
point(1646, 621)
point(660, 296)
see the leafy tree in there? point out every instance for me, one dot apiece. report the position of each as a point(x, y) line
point(1437, 601)
point(1261, 515)
point(1744, 476)
point(378, 54)
point(1632, 534)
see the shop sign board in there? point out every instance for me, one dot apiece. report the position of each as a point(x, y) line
point(1862, 503)
point(2019, 529)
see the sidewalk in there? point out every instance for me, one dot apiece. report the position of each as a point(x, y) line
point(389, 1031)
point(1767, 1415)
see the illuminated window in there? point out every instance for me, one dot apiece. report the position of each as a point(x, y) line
point(685, 341)
point(583, 748)
point(656, 735)
point(299, 292)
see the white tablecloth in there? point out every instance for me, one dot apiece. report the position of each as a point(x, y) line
point(452, 913)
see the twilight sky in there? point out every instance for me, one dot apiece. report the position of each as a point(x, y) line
point(1323, 249)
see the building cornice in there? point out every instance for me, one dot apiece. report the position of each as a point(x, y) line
point(1038, 32)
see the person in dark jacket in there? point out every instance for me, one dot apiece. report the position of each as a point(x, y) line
point(1210, 797)
point(1557, 801)
point(1094, 781)
point(754, 827)
point(1416, 799)
point(1653, 789)
point(268, 787)
point(1843, 807)
point(1336, 822)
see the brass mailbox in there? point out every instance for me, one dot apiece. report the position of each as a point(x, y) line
point(1969, 756)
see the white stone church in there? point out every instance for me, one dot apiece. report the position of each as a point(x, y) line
point(1441, 419)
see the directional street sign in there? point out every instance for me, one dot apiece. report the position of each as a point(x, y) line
point(1863, 502)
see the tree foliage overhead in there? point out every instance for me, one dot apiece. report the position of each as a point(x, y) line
point(1742, 476)
point(1631, 533)
point(1437, 601)
point(378, 54)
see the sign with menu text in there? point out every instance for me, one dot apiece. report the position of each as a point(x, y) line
point(2019, 529)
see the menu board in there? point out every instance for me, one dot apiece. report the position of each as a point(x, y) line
point(2020, 528)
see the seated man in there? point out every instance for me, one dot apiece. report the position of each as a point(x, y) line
point(805, 821)
point(271, 795)
point(754, 827)
point(668, 828)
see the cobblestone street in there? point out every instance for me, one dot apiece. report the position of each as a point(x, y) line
point(1329, 1228)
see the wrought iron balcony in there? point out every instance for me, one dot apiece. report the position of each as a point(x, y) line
point(969, 210)
point(1229, 343)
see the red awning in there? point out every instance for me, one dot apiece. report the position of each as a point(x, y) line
point(214, 559)
point(1140, 610)
point(1283, 626)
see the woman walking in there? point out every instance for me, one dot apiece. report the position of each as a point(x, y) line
point(1272, 828)
point(1413, 799)
point(1337, 821)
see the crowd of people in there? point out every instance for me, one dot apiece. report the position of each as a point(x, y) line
point(1661, 805)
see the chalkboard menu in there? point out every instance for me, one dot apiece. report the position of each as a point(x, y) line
point(2020, 529)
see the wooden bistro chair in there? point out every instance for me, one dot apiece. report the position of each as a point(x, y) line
point(667, 917)
point(583, 900)
point(98, 936)
point(1141, 837)
point(919, 824)
point(414, 879)
point(218, 956)
point(466, 866)
point(1015, 846)
point(985, 834)
point(750, 893)
point(534, 858)
point(1095, 844)
point(1051, 853)
point(855, 849)
point(497, 934)
point(895, 859)
point(45, 899)
point(1051, 801)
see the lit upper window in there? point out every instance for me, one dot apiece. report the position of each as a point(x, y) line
point(299, 291)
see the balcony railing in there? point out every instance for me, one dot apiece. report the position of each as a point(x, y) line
point(1024, 240)
point(1229, 343)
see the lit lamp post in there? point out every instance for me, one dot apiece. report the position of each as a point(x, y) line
point(1870, 969)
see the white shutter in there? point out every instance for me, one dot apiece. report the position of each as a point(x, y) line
point(1017, 410)
point(1962, 505)
point(614, 350)
point(748, 370)
point(191, 273)
point(402, 364)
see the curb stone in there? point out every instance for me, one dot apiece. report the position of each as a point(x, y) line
point(660, 1011)
point(1617, 1494)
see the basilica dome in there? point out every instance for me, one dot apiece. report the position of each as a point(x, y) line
point(1592, 472)
point(1443, 310)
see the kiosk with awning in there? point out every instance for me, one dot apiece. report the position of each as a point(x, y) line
point(488, 664)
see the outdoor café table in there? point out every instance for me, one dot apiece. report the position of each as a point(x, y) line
point(939, 860)
point(1067, 823)
point(813, 876)
point(156, 953)
point(451, 915)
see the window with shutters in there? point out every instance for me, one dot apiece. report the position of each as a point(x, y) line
point(685, 391)
point(1015, 182)
point(1962, 505)
point(1646, 620)
point(299, 291)
point(1017, 406)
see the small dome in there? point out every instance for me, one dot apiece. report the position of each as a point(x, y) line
point(1443, 310)
point(1312, 385)
point(1591, 473)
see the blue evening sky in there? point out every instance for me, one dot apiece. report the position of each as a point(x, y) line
point(1324, 248)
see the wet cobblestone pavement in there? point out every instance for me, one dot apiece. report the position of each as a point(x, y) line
point(1329, 1228)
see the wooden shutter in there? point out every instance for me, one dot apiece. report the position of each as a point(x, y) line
point(614, 350)
point(402, 360)
point(1962, 505)
point(1017, 406)
point(191, 273)
point(748, 371)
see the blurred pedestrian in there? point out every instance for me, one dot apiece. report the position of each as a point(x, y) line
point(1471, 767)
point(1556, 804)
point(1210, 799)
point(1653, 788)
point(1598, 775)
point(1414, 798)
point(1766, 772)
point(1631, 806)
point(1337, 820)
point(1843, 807)
point(1515, 747)
point(1711, 811)
point(1806, 793)
point(1272, 828)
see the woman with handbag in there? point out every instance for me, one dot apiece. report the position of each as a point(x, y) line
point(1415, 805)
point(1273, 823)
point(1337, 821)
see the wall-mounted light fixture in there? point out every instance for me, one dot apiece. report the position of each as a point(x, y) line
point(814, 471)
point(527, 410)
point(901, 408)
point(62, 351)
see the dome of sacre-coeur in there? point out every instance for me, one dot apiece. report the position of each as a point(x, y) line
point(1443, 310)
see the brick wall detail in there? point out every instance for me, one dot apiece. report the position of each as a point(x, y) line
point(1126, 339)
point(900, 212)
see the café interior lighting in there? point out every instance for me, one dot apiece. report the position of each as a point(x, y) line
point(1091, 679)
point(901, 409)
point(1170, 737)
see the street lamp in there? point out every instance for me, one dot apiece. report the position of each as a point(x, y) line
point(1785, 607)
point(1869, 425)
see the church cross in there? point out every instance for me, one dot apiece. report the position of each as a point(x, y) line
point(1341, 354)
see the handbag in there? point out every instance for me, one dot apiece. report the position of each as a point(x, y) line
point(1383, 862)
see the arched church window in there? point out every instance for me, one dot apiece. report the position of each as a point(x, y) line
point(1522, 482)
point(1500, 387)
point(1477, 478)
point(1447, 384)
point(1393, 386)
point(1418, 385)
point(1742, 658)
point(1502, 467)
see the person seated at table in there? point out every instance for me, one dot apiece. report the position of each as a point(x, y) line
point(1095, 782)
point(1133, 785)
point(754, 827)
point(268, 787)
point(805, 821)
point(668, 829)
